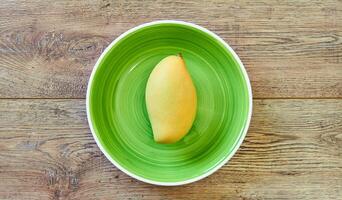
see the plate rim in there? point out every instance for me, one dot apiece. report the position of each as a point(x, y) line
point(239, 142)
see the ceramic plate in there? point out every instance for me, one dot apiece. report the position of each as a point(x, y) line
point(117, 112)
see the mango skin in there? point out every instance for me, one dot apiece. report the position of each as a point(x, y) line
point(171, 100)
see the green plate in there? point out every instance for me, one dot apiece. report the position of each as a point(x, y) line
point(117, 112)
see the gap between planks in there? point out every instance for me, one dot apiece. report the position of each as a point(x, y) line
point(257, 98)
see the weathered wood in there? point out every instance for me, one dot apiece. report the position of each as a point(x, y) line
point(290, 49)
point(293, 151)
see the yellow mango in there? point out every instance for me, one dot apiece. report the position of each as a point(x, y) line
point(171, 100)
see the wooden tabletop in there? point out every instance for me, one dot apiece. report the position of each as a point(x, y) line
point(292, 51)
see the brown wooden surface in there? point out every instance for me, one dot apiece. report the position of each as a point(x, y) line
point(293, 150)
point(292, 51)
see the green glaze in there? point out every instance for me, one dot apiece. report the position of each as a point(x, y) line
point(117, 110)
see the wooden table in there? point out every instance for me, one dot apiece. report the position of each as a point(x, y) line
point(293, 55)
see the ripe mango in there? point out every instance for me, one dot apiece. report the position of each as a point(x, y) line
point(171, 100)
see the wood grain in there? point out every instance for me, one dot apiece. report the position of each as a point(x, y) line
point(293, 150)
point(291, 49)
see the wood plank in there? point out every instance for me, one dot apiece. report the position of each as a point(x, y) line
point(293, 151)
point(290, 48)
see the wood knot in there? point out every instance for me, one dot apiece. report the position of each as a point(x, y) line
point(62, 183)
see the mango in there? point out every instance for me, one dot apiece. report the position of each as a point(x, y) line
point(171, 100)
